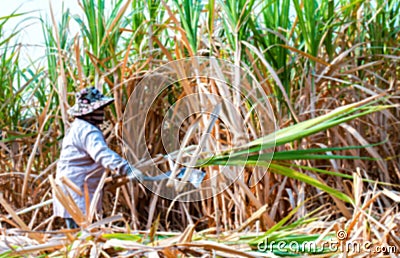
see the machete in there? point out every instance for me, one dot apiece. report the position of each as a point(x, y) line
point(195, 178)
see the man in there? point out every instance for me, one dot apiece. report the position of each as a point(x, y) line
point(84, 151)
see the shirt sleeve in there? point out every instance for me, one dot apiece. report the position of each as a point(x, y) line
point(98, 150)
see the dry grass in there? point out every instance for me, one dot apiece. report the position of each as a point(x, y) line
point(137, 222)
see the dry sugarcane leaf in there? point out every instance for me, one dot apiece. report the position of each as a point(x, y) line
point(217, 247)
point(255, 216)
point(7, 242)
point(51, 246)
point(68, 203)
point(78, 63)
point(18, 220)
point(96, 197)
point(33, 153)
point(62, 78)
point(65, 180)
point(187, 235)
point(170, 253)
point(108, 220)
point(391, 195)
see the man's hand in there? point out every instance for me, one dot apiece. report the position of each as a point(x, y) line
point(135, 174)
point(126, 173)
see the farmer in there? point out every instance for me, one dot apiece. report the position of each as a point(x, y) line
point(84, 151)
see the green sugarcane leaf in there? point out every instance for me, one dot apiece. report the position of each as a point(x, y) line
point(285, 171)
point(123, 236)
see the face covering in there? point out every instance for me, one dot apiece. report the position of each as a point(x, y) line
point(96, 118)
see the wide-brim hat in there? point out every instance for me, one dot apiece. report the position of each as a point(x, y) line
point(88, 100)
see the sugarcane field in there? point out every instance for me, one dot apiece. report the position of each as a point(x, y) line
point(192, 128)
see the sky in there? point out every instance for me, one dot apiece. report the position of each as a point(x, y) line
point(31, 35)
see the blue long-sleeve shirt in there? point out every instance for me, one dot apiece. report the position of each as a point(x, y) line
point(84, 151)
